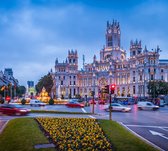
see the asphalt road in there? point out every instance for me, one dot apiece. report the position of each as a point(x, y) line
point(151, 125)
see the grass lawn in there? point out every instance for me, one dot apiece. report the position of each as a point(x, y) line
point(121, 139)
point(22, 134)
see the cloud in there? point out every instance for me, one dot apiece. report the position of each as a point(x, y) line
point(34, 34)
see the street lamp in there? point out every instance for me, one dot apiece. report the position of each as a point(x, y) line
point(144, 79)
point(93, 92)
point(155, 53)
point(93, 101)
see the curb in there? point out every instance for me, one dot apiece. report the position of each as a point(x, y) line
point(3, 127)
point(142, 138)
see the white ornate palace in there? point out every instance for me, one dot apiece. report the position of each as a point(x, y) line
point(130, 75)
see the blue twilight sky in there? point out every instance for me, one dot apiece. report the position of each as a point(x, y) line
point(33, 33)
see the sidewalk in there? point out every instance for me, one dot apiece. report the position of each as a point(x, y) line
point(3, 124)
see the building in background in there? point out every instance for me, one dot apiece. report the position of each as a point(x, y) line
point(8, 84)
point(7, 78)
point(30, 84)
point(31, 91)
point(129, 74)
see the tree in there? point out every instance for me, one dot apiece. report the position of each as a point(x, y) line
point(23, 101)
point(51, 102)
point(20, 91)
point(46, 82)
point(157, 87)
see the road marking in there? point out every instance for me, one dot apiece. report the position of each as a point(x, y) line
point(84, 110)
point(2, 128)
point(157, 133)
point(144, 139)
point(91, 116)
point(162, 127)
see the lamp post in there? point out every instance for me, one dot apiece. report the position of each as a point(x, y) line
point(144, 80)
point(110, 108)
point(11, 91)
point(155, 53)
point(15, 90)
point(93, 92)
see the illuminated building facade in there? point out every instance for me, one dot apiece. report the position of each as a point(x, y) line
point(31, 91)
point(129, 74)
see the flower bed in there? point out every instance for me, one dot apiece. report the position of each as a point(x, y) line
point(75, 133)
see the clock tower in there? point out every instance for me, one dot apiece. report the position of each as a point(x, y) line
point(113, 34)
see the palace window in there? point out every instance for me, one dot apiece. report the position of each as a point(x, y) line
point(140, 78)
point(162, 77)
point(134, 90)
point(162, 70)
point(74, 83)
point(70, 91)
point(74, 92)
point(61, 82)
point(149, 70)
point(133, 79)
point(133, 53)
point(152, 77)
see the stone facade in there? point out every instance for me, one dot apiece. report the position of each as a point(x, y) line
point(130, 75)
point(7, 78)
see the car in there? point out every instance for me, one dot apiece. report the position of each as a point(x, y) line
point(13, 109)
point(124, 100)
point(101, 102)
point(73, 100)
point(35, 102)
point(76, 100)
point(92, 102)
point(74, 104)
point(146, 105)
point(162, 103)
point(117, 107)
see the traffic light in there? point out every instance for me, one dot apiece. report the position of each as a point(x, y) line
point(112, 88)
point(106, 89)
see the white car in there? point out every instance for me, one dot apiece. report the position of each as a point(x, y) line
point(162, 103)
point(147, 106)
point(35, 102)
point(118, 107)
